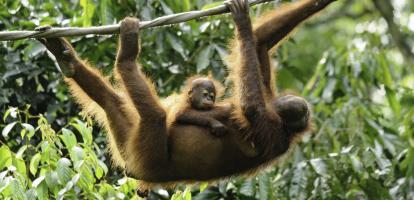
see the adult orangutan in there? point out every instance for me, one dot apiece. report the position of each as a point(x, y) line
point(261, 126)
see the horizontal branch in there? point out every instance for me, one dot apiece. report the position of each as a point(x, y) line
point(114, 29)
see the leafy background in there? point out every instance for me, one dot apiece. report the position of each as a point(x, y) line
point(354, 63)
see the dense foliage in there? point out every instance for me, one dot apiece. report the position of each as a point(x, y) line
point(348, 62)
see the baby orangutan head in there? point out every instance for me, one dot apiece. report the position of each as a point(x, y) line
point(202, 93)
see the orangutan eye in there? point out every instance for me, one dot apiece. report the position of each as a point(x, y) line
point(205, 93)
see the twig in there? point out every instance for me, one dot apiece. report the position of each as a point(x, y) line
point(114, 29)
point(386, 10)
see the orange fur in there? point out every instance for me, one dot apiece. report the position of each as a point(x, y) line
point(151, 148)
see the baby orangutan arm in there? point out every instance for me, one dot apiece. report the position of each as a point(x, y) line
point(206, 118)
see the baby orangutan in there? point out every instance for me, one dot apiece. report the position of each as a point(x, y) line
point(200, 108)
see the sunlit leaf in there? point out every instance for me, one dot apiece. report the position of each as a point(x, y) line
point(20, 165)
point(319, 166)
point(7, 129)
point(68, 138)
point(265, 187)
point(248, 187)
point(212, 5)
point(5, 157)
point(203, 60)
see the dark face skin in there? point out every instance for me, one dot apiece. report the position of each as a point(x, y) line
point(293, 110)
point(202, 94)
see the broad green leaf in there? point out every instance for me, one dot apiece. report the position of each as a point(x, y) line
point(86, 178)
point(85, 131)
point(212, 5)
point(248, 187)
point(88, 9)
point(42, 190)
point(105, 12)
point(203, 59)
point(52, 180)
point(11, 111)
point(177, 45)
point(389, 84)
point(30, 194)
point(187, 193)
point(21, 151)
point(76, 153)
point(68, 138)
point(203, 186)
point(30, 129)
point(5, 185)
point(17, 190)
point(7, 129)
point(5, 157)
point(63, 171)
point(298, 183)
point(374, 189)
point(186, 5)
point(14, 7)
point(20, 165)
point(265, 187)
point(207, 194)
point(37, 181)
point(177, 196)
point(103, 166)
point(319, 166)
point(356, 164)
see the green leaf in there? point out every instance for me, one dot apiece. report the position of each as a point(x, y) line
point(375, 190)
point(30, 194)
point(265, 187)
point(203, 186)
point(76, 153)
point(5, 157)
point(176, 44)
point(248, 187)
point(52, 180)
point(29, 128)
point(20, 165)
point(21, 151)
point(17, 190)
point(37, 181)
point(389, 84)
point(63, 170)
point(12, 111)
point(41, 189)
point(207, 194)
point(7, 129)
point(103, 166)
point(68, 138)
point(34, 163)
point(105, 12)
point(319, 166)
point(88, 9)
point(212, 5)
point(298, 183)
point(177, 195)
point(186, 5)
point(187, 193)
point(85, 131)
point(203, 60)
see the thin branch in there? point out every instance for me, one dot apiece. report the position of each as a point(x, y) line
point(386, 10)
point(114, 29)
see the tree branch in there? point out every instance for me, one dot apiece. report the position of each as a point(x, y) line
point(114, 29)
point(386, 10)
